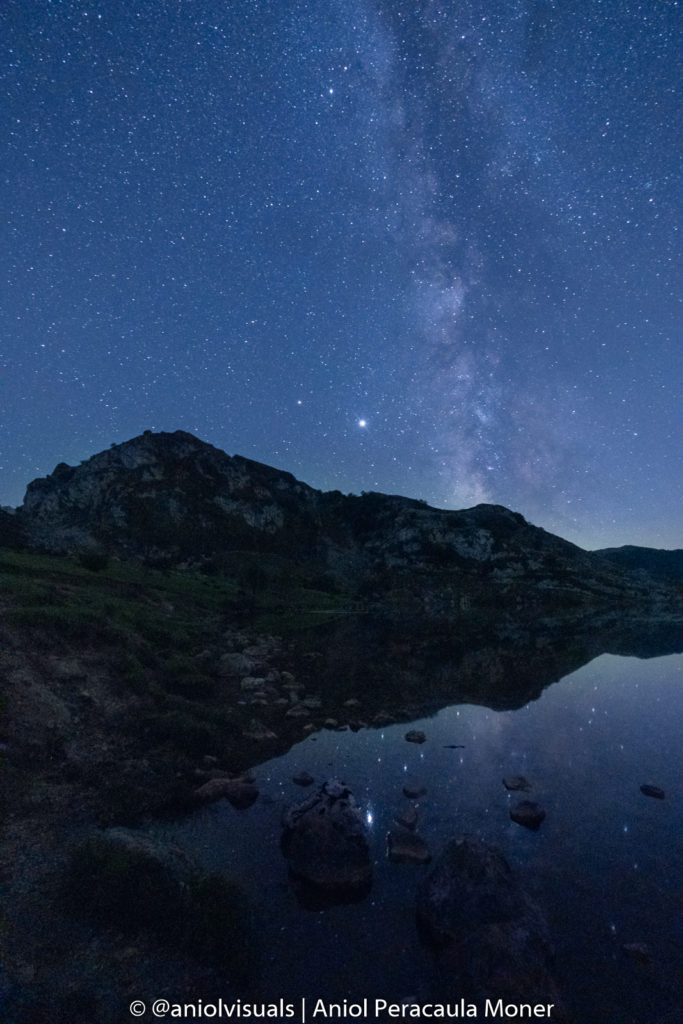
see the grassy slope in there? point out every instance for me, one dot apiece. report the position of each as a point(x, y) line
point(111, 700)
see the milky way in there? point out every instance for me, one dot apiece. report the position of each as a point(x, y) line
point(424, 248)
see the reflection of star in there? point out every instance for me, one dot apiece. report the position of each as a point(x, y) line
point(362, 423)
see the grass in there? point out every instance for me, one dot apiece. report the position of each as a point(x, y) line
point(129, 886)
point(144, 629)
point(172, 611)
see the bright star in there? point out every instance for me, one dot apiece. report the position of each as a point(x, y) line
point(362, 423)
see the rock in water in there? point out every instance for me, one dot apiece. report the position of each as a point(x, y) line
point(325, 840)
point(516, 782)
point(489, 938)
point(405, 847)
point(408, 817)
point(654, 791)
point(415, 736)
point(528, 813)
point(303, 779)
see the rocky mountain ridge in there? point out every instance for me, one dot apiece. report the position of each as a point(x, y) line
point(171, 499)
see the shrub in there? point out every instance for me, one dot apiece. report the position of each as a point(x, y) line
point(119, 879)
point(94, 559)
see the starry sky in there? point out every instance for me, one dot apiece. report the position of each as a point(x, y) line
point(421, 247)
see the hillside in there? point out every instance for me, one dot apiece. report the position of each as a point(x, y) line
point(171, 500)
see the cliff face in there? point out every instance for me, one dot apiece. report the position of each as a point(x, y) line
point(164, 494)
point(170, 498)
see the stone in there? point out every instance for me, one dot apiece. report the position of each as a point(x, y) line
point(303, 779)
point(236, 664)
point(405, 847)
point(249, 684)
point(414, 791)
point(415, 736)
point(258, 731)
point(488, 937)
point(653, 791)
point(516, 782)
point(325, 840)
point(239, 792)
point(407, 818)
point(297, 712)
point(528, 814)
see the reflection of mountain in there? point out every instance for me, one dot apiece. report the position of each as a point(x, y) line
point(407, 674)
point(656, 562)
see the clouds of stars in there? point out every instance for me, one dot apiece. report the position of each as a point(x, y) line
point(426, 249)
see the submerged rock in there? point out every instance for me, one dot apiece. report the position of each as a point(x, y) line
point(303, 779)
point(528, 813)
point(414, 791)
point(415, 736)
point(241, 793)
point(654, 791)
point(489, 938)
point(404, 847)
point(516, 782)
point(407, 818)
point(325, 840)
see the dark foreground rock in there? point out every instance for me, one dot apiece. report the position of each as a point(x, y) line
point(489, 938)
point(325, 840)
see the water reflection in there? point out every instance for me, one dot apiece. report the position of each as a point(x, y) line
point(605, 865)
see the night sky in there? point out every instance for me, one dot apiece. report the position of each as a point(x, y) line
point(420, 247)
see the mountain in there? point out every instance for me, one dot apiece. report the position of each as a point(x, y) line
point(655, 561)
point(170, 499)
point(171, 617)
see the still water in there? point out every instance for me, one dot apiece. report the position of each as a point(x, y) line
point(606, 865)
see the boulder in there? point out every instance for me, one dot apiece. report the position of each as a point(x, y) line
point(489, 938)
point(325, 840)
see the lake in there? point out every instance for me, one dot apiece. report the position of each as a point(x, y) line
point(606, 865)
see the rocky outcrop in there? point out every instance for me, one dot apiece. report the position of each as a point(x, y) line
point(172, 499)
point(165, 496)
point(325, 841)
point(490, 939)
